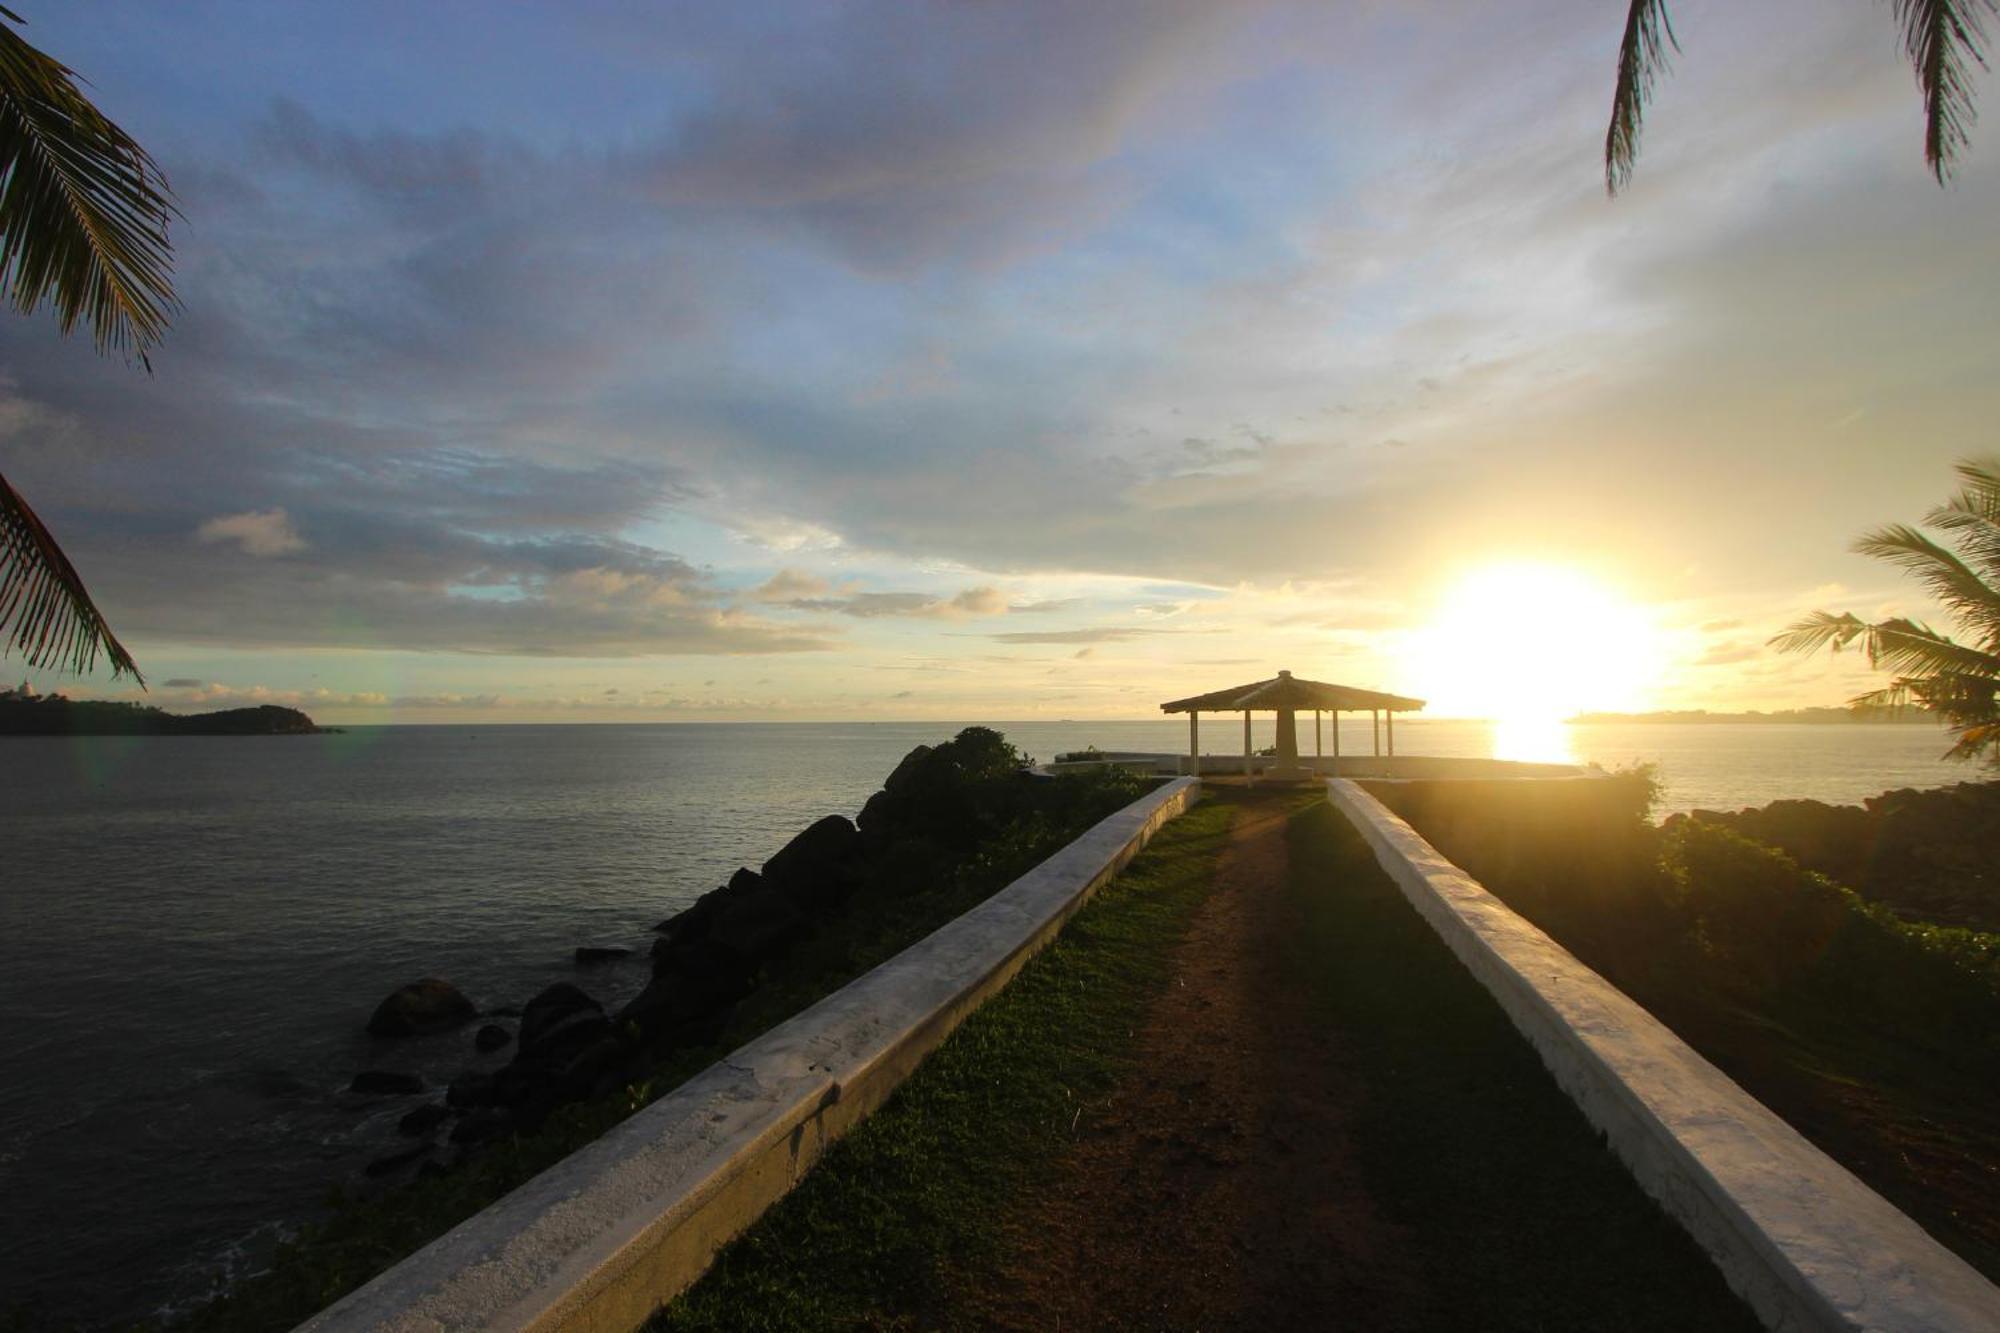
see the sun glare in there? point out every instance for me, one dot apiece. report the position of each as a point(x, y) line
point(1529, 645)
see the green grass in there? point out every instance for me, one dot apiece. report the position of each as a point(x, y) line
point(874, 1236)
point(1522, 1217)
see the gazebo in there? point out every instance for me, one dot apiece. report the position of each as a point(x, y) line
point(1288, 696)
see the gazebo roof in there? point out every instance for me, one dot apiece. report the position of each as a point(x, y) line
point(1285, 690)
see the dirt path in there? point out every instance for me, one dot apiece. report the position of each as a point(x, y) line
point(1215, 1189)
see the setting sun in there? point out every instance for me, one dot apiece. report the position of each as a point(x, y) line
point(1528, 645)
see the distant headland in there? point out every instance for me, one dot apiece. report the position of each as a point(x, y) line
point(25, 713)
point(1816, 716)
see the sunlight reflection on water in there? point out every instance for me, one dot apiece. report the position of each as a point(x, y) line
point(1537, 739)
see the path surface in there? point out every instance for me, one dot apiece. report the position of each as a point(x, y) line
point(1215, 1189)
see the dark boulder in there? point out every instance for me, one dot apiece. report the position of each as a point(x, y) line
point(908, 773)
point(689, 980)
point(489, 1122)
point(815, 870)
point(422, 1007)
point(759, 926)
point(490, 1038)
point(386, 1083)
point(396, 1161)
point(470, 1089)
point(553, 1047)
point(589, 954)
point(424, 1119)
point(693, 922)
point(550, 1007)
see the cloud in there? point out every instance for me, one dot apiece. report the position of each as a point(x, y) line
point(264, 533)
point(971, 602)
point(1113, 634)
point(788, 585)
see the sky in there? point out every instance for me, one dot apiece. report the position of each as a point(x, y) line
point(597, 362)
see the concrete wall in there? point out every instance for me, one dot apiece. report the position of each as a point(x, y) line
point(607, 1236)
point(1796, 1234)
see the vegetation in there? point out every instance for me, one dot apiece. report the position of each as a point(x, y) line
point(1945, 40)
point(1523, 1216)
point(83, 228)
point(916, 1195)
point(1958, 681)
point(23, 713)
point(1879, 1039)
point(988, 824)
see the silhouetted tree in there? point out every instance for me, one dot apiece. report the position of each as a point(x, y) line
point(83, 228)
point(1959, 681)
point(1944, 39)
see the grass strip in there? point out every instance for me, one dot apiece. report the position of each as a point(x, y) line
point(1521, 1215)
point(873, 1237)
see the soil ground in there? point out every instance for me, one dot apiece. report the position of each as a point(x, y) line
point(1218, 1187)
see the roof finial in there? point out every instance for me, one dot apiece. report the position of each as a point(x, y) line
point(1286, 674)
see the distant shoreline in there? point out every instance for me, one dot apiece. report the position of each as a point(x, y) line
point(27, 714)
point(1836, 717)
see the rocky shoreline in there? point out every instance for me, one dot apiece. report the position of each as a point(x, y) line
point(936, 813)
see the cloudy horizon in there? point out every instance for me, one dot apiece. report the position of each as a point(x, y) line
point(996, 361)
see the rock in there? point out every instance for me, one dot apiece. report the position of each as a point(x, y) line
point(424, 1119)
point(694, 922)
point(550, 1007)
point(386, 1083)
point(553, 1047)
point(689, 981)
point(759, 926)
point(488, 1122)
point(470, 1089)
point(395, 1161)
point(490, 1038)
point(815, 869)
point(425, 1006)
point(908, 771)
point(588, 954)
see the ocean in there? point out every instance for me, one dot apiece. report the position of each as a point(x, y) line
point(194, 929)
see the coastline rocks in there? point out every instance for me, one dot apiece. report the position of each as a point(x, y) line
point(815, 870)
point(490, 1038)
point(420, 1008)
point(486, 1123)
point(470, 1089)
point(395, 1161)
point(760, 925)
point(551, 1007)
point(423, 1120)
point(589, 954)
point(386, 1083)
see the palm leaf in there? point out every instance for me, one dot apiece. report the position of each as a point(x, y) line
point(1949, 579)
point(1642, 58)
point(1944, 41)
point(83, 208)
point(1972, 517)
point(54, 621)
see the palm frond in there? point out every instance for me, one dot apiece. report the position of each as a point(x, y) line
point(1642, 58)
point(1944, 39)
point(45, 611)
point(1821, 629)
point(83, 208)
point(1948, 579)
point(1972, 516)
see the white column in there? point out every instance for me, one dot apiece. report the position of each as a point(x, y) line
point(1194, 743)
point(1319, 746)
point(1248, 777)
point(1336, 741)
point(1375, 723)
point(1392, 733)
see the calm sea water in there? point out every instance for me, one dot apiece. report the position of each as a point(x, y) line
point(193, 930)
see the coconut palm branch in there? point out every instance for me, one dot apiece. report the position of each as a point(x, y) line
point(1945, 40)
point(83, 229)
point(1957, 680)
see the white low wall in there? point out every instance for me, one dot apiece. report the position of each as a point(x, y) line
point(1795, 1233)
point(605, 1237)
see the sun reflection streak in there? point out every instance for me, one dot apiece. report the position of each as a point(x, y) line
point(1536, 738)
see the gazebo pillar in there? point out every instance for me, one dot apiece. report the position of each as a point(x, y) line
point(1336, 742)
point(1194, 743)
point(1288, 738)
point(1319, 746)
point(1392, 733)
point(1375, 724)
point(1249, 776)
